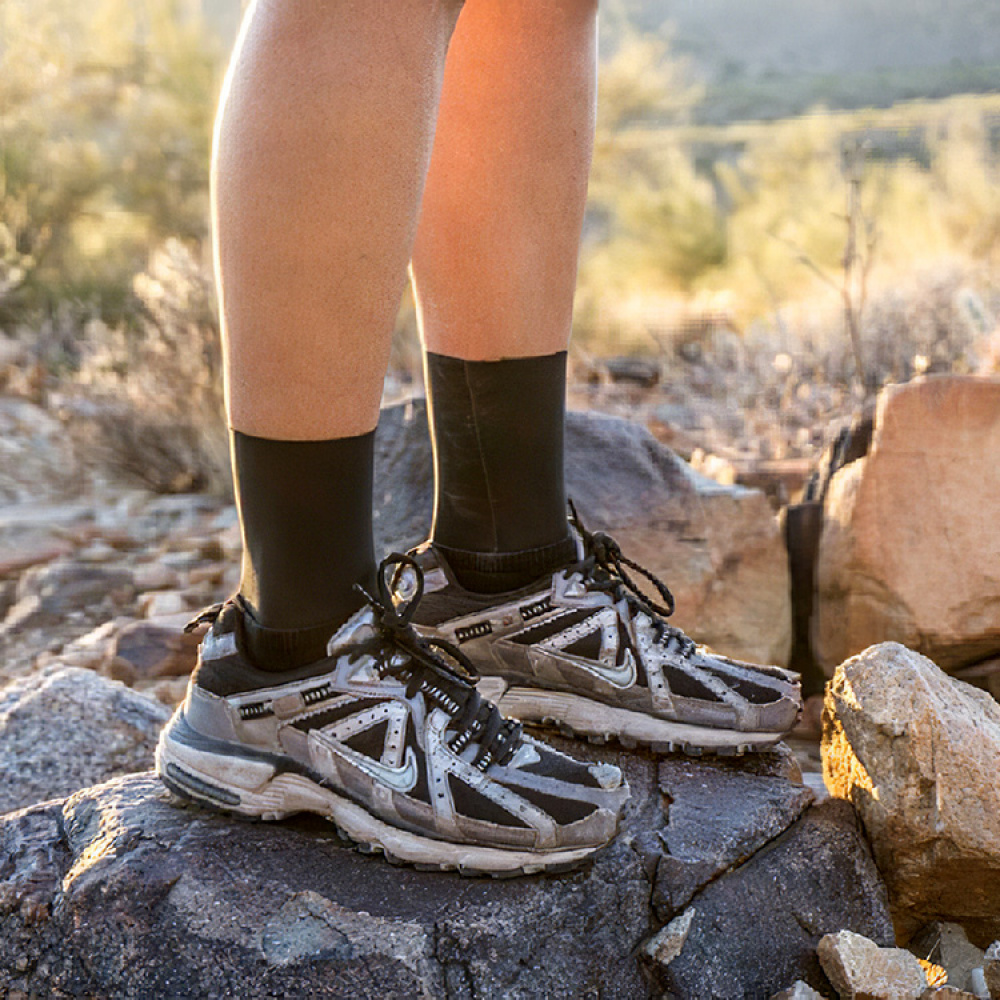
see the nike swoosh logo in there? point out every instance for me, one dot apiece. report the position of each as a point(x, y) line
point(622, 675)
point(400, 779)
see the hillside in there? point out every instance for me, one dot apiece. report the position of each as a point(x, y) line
point(775, 58)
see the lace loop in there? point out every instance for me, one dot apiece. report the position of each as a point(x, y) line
point(452, 686)
point(604, 555)
point(607, 554)
point(205, 616)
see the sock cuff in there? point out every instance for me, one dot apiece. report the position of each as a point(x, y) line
point(277, 650)
point(494, 572)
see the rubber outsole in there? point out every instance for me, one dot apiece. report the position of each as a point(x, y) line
point(254, 789)
point(575, 716)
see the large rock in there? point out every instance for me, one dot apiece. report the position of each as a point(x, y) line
point(918, 754)
point(718, 548)
point(911, 537)
point(823, 879)
point(70, 728)
point(117, 892)
point(701, 841)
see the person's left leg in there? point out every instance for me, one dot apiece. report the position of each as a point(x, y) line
point(561, 636)
point(494, 269)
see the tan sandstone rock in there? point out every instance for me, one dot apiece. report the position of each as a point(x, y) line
point(860, 970)
point(910, 550)
point(918, 754)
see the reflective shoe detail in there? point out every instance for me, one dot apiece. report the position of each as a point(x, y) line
point(593, 654)
point(388, 738)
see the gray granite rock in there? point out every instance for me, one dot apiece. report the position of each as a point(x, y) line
point(718, 547)
point(69, 728)
point(915, 751)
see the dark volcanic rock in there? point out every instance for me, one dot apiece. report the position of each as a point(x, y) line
point(817, 878)
point(116, 892)
point(701, 841)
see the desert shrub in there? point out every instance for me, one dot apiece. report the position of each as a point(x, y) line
point(154, 394)
point(105, 125)
point(653, 223)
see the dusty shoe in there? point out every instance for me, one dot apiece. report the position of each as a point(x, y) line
point(588, 652)
point(390, 740)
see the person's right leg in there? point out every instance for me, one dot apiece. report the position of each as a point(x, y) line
point(301, 701)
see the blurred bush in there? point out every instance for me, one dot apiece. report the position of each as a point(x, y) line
point(105, 130)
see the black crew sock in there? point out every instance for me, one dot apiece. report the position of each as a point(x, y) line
point(500, 496)
point(306, 514)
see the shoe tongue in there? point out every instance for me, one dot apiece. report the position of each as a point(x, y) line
point(352, 630)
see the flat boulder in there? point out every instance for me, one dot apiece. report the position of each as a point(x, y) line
point(115, 891)
point(918, 755)
point(910, 542)
point(718, 548)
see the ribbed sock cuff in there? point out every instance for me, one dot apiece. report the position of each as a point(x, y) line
point(497, 572)
point(279, 650)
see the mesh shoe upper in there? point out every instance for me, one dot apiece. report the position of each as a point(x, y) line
point(592, 631)
point(398, 726)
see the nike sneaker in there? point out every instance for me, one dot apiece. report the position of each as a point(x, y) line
point(389, 739)
point(589, 652)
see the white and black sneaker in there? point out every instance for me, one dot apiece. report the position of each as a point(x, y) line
point(588, 652)
point(388, 738)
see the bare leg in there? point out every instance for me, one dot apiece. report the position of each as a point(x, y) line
point(324, 136)
point(323, 142)
point(495, 266)
point(496, 254)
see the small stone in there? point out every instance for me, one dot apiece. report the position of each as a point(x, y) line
point(156, 576)
point(947, 945)
point(207, 575)
point(169, 692)
point(99, 552)
point(798, 991)
point(947, 993)
point(231, 540)
point(979, 987)
point(858, 967)
point(152, 651)
point(991, 970)
point(666, 945)
point(162, 602)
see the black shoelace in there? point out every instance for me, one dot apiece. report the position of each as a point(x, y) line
point(452, 688)
point(603, 569)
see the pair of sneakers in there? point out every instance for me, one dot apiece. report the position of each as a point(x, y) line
point(404, 735)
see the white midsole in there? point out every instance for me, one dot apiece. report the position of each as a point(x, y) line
point(595, 718)
point(267, 795)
